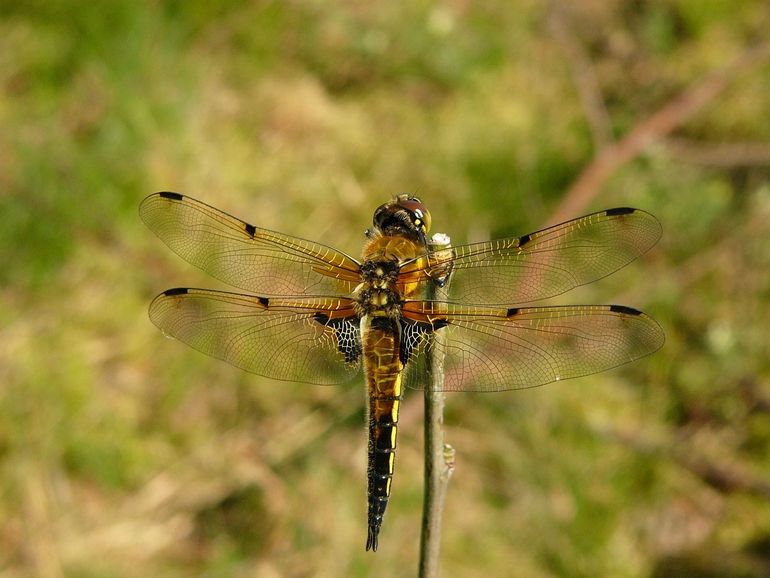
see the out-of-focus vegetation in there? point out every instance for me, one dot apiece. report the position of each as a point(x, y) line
point(123, 454)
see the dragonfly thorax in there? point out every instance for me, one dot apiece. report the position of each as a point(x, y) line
point(377, 294)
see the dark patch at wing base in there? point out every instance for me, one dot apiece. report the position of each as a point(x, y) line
point(413, 334)
point(346, 332)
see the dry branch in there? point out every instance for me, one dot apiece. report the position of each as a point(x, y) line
point(673, 114)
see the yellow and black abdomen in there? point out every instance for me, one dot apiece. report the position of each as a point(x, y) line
point(382, 368)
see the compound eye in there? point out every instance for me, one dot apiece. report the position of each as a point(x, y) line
point(420, 215)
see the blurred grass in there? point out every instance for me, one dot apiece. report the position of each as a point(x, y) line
point(124, 454)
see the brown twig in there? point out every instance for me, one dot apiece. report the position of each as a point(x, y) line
point(646, 132)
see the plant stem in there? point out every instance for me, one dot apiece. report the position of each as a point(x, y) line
point(439, 457)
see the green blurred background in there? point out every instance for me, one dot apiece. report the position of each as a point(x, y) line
point(124, 454)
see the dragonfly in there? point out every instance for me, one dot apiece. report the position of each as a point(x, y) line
point(313, 314)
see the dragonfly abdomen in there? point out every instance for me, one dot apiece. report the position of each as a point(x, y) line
point(383, 367)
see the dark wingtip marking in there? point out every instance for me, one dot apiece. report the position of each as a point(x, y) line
point(264, 301)
point(170, 195)
point(619, 211)
point(512, 311)
point(524, 239)
point(624, 309)
point(176, 291)
point(251, 230)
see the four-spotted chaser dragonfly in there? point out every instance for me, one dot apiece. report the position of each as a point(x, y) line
point(314, 314)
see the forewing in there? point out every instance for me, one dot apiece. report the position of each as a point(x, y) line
point(545, 263)
point(312, 340)
point(495, 349)
point(245, 256)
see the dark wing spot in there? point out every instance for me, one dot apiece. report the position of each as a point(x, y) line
point(250, 229)
point(170, 195)
point(512, 311)
point(176, 291)
point(624, 309)
point(264, 301)
point(619, 211)
point(322, 318)
point(524, 239)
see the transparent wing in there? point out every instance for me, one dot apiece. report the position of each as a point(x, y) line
point(245, 256)
point(495, 349)
point(311, 340)
point(545, 263)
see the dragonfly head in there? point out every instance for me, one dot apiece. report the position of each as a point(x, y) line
point(404, 216)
